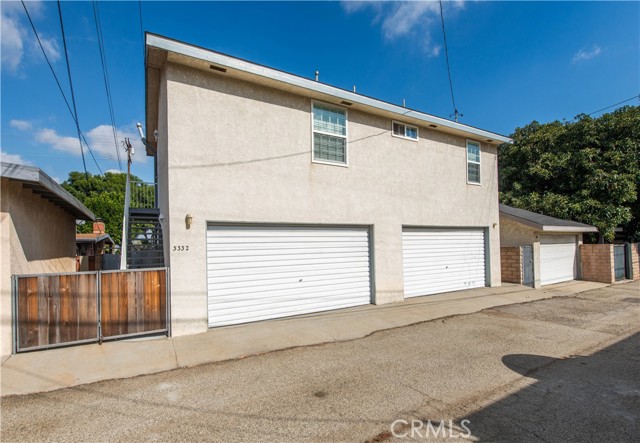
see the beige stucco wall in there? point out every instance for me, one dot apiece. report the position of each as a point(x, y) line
point(514, 234)
point(239, 152)
point(37, 237)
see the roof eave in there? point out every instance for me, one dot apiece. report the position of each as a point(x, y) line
point(37, 180)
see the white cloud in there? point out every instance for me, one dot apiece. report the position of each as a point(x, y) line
point(22, 125)
point(586, 54)
point(12, 42)
point(406, 19)
point(17, 39)
point(14, 158)
point(100, 141)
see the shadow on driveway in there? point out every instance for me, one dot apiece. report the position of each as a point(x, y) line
point(577, 399)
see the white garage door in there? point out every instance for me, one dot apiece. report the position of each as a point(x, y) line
point(557, 259)
point(442, 260)
point(257, 273)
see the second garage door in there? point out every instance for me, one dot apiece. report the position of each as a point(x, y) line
point(258, 273)
point(558, 261)
point(442, 260)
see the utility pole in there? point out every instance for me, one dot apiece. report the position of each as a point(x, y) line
point(127, 203)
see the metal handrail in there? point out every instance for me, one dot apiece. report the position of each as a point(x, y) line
point(143, 195)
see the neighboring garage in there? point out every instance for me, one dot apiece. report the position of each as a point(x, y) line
point(554, 242)
point(443, 260)
point(263, 272)
point(558, 258)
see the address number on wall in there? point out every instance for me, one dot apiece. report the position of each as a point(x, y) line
point(181, 248)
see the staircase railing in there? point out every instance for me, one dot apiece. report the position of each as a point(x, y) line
point(143, 195)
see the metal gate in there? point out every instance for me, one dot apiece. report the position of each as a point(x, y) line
point(619, 262)
point(53, 310)
point(527, 266)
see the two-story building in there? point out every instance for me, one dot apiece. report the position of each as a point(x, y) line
point(280, 195)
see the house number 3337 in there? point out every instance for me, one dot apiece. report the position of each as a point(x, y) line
point(181, 248)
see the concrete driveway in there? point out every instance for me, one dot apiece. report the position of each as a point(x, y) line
point(564, 369)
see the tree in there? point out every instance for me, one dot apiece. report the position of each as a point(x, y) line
point(587, 170)
point(104, 196)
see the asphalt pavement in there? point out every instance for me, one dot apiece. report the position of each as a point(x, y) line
point(565, 369)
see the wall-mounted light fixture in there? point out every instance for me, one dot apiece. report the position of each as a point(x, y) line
point(188, 219)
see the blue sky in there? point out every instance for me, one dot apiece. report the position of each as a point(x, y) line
point(512, 62)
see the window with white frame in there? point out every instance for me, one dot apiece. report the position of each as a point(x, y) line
point(329, 134)
point(473, 162)
point(404, 131)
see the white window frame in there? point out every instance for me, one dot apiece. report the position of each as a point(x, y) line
point(405, 131)
point(479, 163)
point(346, 136)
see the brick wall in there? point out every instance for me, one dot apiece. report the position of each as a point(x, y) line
point(635, 260)
point(597, 263)
point(511, 264)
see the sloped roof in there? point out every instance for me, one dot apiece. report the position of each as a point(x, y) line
point(544, 222)
point(93, 238)
point(35, 179)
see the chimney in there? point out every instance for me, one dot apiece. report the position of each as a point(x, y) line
point(98, 227)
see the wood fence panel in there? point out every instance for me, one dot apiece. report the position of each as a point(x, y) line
point(56, 309)
point(132, 302)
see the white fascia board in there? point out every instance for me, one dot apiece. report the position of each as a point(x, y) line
point(569, 229)
point(294, 80)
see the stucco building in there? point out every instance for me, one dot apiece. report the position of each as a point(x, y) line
point(281, 195)
point(37, 232)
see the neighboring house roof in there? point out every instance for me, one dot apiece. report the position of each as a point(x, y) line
point(160, 49)
point(40, 183)
point(94, 238)
point(544, 222)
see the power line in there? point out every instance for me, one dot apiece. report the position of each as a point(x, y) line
point(455, 114)
point(53, 72)
point(615, 104)
point(606, 107)
point(73, 97)
point(105, 74)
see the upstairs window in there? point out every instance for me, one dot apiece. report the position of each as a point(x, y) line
point(404, 131)
point(473, 162)
point(329, 134)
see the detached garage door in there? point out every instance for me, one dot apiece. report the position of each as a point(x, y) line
point(257, 273)
point(557, 259)
point(442, 260)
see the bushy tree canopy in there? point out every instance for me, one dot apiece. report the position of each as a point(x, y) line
point(104, 196)
point(587, 170)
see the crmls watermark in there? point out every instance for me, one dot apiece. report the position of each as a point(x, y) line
point(430, 429)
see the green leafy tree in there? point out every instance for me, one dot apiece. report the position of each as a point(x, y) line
point(587, 170)
point(104, 196)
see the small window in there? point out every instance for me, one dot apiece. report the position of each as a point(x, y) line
point(473, 162)
point(329, 134)
point(404, 131)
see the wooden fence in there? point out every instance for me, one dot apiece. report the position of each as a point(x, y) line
point(61, 309)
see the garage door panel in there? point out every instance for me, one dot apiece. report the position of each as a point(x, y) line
point(270, 272)
point(294, 289)
point(256, 273)
point(442, 260)
point(292, 278)
point(281, 301)
point(558, 259)
point(234, 319)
